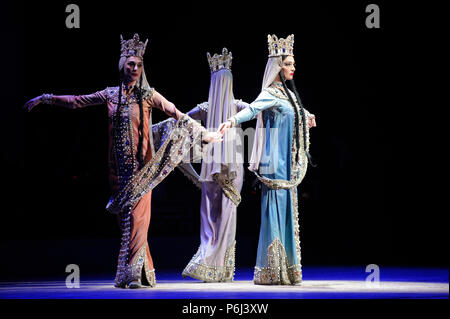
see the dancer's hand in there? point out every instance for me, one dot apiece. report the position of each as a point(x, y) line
point(212, 137)
point(32, 103)
point(312, 121)
point(224, 127)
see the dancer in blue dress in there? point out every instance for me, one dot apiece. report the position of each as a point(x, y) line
point(279, 159)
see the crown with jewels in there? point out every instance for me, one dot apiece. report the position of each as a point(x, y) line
point(278, 47)
point(220, 61)
point(132, 47)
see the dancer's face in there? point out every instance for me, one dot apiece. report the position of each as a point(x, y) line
point(133, 69)
point(288, 67)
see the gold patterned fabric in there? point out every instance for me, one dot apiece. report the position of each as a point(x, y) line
point(128, 272)
point(209, 273)
point(138, 266)
point(161, 132)
point(186, 133)
point(299, 161)
point(277, 272)
point(122, 159)
point(229, 189)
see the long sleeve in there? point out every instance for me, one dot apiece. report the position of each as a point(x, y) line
point(264, 101)
point(240, 105)
point(199, 112)
point(160, 102)
point(79, 101)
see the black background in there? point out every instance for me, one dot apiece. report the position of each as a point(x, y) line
point(372, 199)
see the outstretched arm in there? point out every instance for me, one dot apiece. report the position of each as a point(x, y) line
point(160, 102)
point(68, 101)
point(263, 102)
point(199, 112)
point(240, 105)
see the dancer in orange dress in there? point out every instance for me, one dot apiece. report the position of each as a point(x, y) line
point(135, 166)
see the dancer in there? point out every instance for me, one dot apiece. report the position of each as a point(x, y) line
point(221, 179)
point(135, 166)
point(279, 159)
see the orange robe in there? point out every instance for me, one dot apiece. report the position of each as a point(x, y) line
point(134, 262)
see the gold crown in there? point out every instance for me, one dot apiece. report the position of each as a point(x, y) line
point(132, 47)
point(220, 61)
point(278, 47)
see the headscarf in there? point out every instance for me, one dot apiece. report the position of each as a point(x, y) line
point(220, 157)
point(145, 84)
point(134, 47)
point(273, 67)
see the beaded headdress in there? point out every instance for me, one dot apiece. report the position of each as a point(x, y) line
point(278, 47)
point(220, 61)
point(132, 47)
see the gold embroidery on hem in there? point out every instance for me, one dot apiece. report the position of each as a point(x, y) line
point(277, 272)
point(150, 275)
point(201, 271)
point(132, 271)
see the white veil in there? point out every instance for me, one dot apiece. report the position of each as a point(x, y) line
point(220, 156)
point(273, 67)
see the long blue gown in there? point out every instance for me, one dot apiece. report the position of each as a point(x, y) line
point(278, 257)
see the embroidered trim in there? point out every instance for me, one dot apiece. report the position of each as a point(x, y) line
point(199, 270)
point(128, 271)
point(112, 95)
point(296, 225)
point(171, 153)
point(122, 149)
point(277, 90)
point(123, 138)
point(299, 161)
point(277, 272)
point(233, 121)
point(47, 98)
point(161, 132)
point(203, 106)
point(229, 189)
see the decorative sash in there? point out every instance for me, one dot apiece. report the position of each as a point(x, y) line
point(299, 160)
point(185, 134)
point(161, 132)
point(228, 188)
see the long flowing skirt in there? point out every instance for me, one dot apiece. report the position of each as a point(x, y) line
point(278, 259)
point(135, 261)
point(215, 258)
